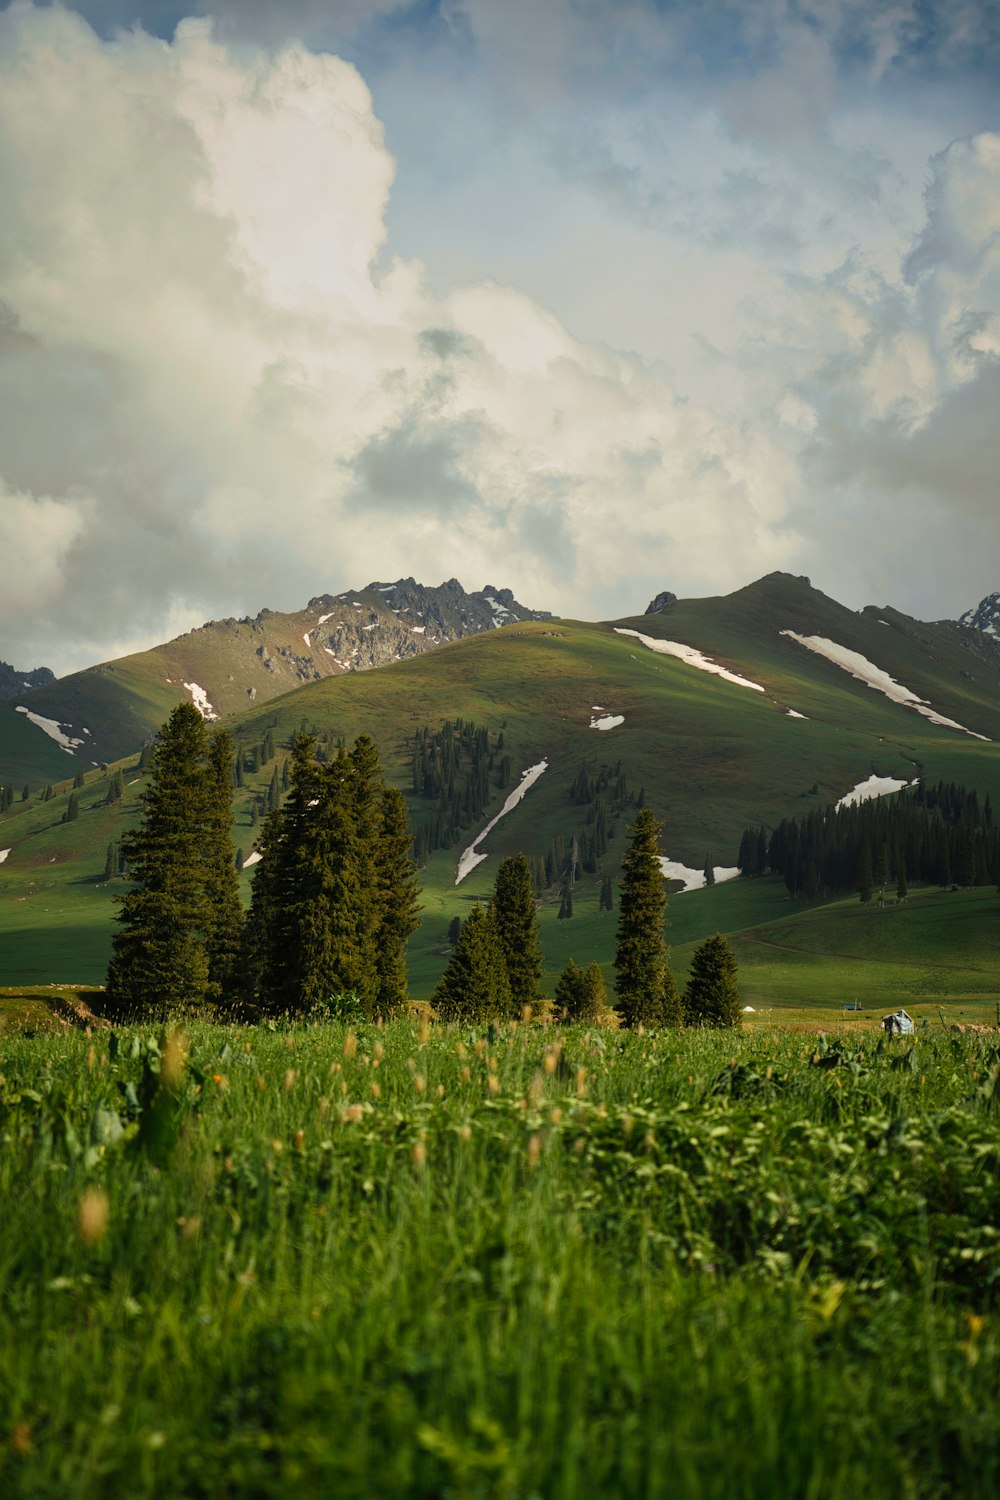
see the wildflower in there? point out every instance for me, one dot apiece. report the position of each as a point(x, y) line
point(440, 1090)
point(221, 1081)
point(92, 1215)
point(277, 1145)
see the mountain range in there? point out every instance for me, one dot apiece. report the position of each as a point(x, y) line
point(719, 713)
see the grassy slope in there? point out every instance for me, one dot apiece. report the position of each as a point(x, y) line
point(712, 757)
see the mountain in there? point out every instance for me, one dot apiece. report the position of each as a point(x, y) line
point(985, 617)
point(107, 711)
point(722, 713)
point(13, 684)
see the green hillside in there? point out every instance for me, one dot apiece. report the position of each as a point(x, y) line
point(708, 756)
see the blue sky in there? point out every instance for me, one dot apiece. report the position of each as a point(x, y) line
point(585, 299)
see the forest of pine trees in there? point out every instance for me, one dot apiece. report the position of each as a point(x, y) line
point(938, 835)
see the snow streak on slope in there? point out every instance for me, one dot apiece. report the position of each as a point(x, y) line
point(53, 729)
point(471, 857)
point(693, 879)
point(692, 656)
point(607, 721)
point(865, 671)
point(875, 786)
point(3, 855)
point(199, 698)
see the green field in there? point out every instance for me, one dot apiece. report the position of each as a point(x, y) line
point(414, 1262)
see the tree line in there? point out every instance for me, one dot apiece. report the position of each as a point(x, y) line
point(938, 835)
point(334, 900)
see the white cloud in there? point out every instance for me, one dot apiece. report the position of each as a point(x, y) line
point(36, 537)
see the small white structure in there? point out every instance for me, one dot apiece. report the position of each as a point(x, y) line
point(898, 1024)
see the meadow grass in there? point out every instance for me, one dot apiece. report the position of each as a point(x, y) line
point(422, 1261)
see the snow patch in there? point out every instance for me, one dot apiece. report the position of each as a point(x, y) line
point(692, 656)
point(749, 1010)
point(252, 859)
point(693, 880)
point(607, 721)
point(874, 677)
point(200, 700)
point(794, 714)
point(418, 629)
point(471, 857)
point(3, 855)
point(306, 638)
point(323, 619)
point(875, 786)
point(53, 729)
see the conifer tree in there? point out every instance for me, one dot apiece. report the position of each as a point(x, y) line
point(712, 997)
point(77, 781)
point(224, 934)
point(474, 987)
point(569, 992)
point(116, 790)
point(454, 928)
point(515, 918)
point(396, 881)
point(641, 960)
point(864, 879)
point(709, 870)
point(72, 809)
point(111, 862)
point(165, 954)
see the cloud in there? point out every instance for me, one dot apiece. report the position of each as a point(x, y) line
point(663, 336)
point(37, 535)
point(207, 336)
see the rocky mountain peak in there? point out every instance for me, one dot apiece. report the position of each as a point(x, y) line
point(985, 616)
point(660, 603)
point(13, 683)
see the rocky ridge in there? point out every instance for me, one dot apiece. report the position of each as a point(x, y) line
point(13, 683)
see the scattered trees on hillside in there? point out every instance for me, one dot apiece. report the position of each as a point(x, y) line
point(180, 924)
point(712, 997)
point(644, 984)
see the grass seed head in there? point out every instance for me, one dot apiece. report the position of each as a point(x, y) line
point(350, 1044)
point(534, 1150)
point(92, 1215)
point(173, 1061)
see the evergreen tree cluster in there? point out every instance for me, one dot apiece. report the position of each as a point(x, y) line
point(495, 967)
point(938, 835)
point(334, 897)
point(456, 769)
point(6, 797)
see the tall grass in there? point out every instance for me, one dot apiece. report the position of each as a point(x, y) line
point(419, 1262)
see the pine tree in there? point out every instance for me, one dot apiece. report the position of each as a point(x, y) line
point(160, 958)
point(72, 809)
point(396, 879)
point(569, 992)
point(77, 781)
point(454, 928)
point(25, 792)
point(901, 887)
point(224, 933)
point(474, 986)
point(515, 918)
point(709, 870)
point(566, 901)
point(641, 959)
point(712, 997)
point(116, 790)
point(864, 880)
point(111, 862)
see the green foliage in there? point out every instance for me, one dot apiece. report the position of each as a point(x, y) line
point(176, 941)
point(474, 987)
point(334, 897)
point(581, 994)
point(642, 969)
point(364, 1295)
point(515, 920)
point(712, 997)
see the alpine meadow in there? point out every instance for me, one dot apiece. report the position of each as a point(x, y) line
point(534, 1039)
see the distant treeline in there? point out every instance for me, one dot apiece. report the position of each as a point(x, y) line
point(937, 835)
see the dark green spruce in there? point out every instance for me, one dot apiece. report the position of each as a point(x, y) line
point(515, 918)
point(644, 985)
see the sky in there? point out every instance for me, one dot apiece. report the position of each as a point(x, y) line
point(584, 298)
